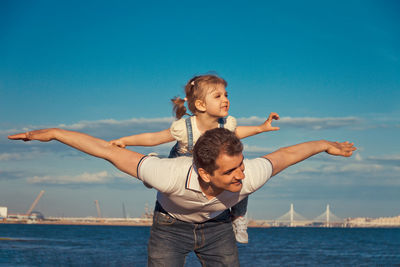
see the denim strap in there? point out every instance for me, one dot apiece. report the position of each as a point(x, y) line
point(221, 122)
point(189, 134)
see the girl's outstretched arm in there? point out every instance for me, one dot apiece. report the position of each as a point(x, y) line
point(246, 131)
point(144, 139)
point(124, 159)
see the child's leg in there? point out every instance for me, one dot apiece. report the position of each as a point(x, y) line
point(239, 222)
point(240, 208)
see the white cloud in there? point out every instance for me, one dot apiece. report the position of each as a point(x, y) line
point(32, 153)
point(111, 122)
point(257, 149)
point(307, 122)
point(102, 177)
point(361, 168)
point(352, 174)
point(385, 158)
point(104, 126)
point(10, 156)
point(349, 169)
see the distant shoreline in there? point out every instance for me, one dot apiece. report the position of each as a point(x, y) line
point(148, 222)
point(84, 221)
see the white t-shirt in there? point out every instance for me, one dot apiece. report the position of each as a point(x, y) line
point(179, 192)
point(179, 131)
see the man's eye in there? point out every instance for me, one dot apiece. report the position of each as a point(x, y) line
point(228, 172)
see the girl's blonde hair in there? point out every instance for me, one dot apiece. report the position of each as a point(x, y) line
point(195, 89)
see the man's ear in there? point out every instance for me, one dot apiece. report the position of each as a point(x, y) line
point(204, 175)
point(200, 105)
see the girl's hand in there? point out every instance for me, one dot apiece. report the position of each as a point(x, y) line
point(117, 142)
point(266, 126)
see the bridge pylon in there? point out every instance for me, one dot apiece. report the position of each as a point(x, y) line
point(328, 217)
point(291, 217)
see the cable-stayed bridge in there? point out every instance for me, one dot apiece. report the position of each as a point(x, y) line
point(293, 218)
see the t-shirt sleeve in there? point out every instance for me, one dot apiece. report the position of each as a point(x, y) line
point(161, 174)
point(178, 130)
point(257, 172)
point(230, 123)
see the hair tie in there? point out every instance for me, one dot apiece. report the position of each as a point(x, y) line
point(192, 83)
point(185, 99)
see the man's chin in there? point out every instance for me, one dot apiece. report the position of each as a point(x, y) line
point(235, 188)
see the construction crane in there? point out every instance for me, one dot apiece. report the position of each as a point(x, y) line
point(35, 203)
point(98, 208)
point(123, 211)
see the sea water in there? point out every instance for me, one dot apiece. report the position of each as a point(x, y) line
point(77, 245)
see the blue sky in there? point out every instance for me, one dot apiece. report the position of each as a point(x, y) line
point(331, 70)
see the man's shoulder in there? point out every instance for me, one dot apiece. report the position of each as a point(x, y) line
point(179, 161)
point(256, 163)
point(164, 174)
point(257, 159)
point(258, 171)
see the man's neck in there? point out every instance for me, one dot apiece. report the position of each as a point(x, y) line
point(209, 190)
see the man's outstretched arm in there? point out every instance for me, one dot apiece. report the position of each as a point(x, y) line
point(125, 160)
point(287, 156)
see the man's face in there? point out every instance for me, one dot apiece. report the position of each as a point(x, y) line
point(230, 173)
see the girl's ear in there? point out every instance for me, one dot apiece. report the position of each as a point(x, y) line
point(204, 175)
point(200, 105)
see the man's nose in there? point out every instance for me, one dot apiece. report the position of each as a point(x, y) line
point(239, 174)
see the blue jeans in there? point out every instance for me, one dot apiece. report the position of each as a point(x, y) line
point(171, 240)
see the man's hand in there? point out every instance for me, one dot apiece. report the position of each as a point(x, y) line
point(266, 126)
point(344, 149)
point(44, 135)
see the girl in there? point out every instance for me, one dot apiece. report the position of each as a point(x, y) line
point(207, 100)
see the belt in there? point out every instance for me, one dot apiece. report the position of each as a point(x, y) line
point(220, 217)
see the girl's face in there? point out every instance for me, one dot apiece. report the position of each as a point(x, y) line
point(216, 102)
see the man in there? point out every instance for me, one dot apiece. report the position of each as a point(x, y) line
point(194, 195)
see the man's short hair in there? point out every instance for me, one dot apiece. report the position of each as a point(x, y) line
point(211, 144)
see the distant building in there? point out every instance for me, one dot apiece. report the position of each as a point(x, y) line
point(36, 215)
point(3, 212)
point(374, 222)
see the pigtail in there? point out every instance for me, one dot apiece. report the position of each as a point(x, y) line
point(179, 107)
point(195, 89)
